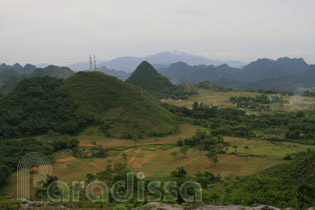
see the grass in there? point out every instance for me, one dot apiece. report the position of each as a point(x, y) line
point(121, 148)
point(275, 150)
point(167, 146)
point(157, 162)
point(185, 130)
point(152, 154)
point(222, 99)
point(62, 154)
point(150, 148)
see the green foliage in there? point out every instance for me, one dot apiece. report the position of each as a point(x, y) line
point(254, 103)
point(146, 77)
point(297, 126)
point(179, 172)
point(206, 178)
point(120, 207)
point(124, 155)
point(127, 110)
point(12, 150)
point(174, 154)
point(214, 87)
point(150, 148)
point(37, 106)
point(309, 93)
point(167, 146)
point(9, 205)
point(291, 184)
point(52, 71)
point(184, 150)
point(119, 148)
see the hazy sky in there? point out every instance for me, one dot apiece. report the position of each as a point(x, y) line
point(67, 31)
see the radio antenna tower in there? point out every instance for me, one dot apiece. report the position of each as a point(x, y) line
point(91, 66)
point(94, 63)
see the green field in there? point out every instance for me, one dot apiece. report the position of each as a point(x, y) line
point(222, 99)
point(152, 155)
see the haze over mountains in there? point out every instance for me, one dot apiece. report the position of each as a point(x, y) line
point(181, 67)
point(162, 59)
point(262, 72)
point(10, 76)
point(283, 74)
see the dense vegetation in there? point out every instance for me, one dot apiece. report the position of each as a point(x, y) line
point(309, 93)
point(12, 78)
point(39, 105)
point(146, 77)
point(121, 110)
point(43, 104)
point(209, 86)
point(255, 103)
point(11, 151)
point(297, 126)
point(291, 184)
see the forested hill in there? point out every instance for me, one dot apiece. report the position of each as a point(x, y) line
point(11, 78)
point(146, 77)
point(43, 104)
point(37, 106)
point(124, 110)
point(291, 184)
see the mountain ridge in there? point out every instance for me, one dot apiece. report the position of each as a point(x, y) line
point(147, 78)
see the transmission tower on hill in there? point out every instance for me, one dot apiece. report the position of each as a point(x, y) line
point(94, 63)
point(91, 66)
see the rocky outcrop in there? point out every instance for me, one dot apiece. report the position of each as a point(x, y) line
point(186, 206)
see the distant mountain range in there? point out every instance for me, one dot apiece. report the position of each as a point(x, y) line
point(7, 71)
point(283, 73)
point(122, 75)
point(163, 59)
point(10, 76)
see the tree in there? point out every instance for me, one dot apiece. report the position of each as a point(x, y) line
point(184, 150)
point(235, 148)
point(102, 153)
point(174, 154)
point(179, 172)
point(49, 180)
point(180, 142)
point(211, 155)
point(90, 178)
point(124, 155)
point(107, 174)
point(246, 149)
point(136, 140)
point(215, 160)
point(73, 143)
point(200, 148)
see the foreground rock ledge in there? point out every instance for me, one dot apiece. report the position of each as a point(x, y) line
point(187, 206)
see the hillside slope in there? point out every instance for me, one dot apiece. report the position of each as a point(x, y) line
point(39, 105)
point(146, 77)
point(125, 110)
point(291, 184)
